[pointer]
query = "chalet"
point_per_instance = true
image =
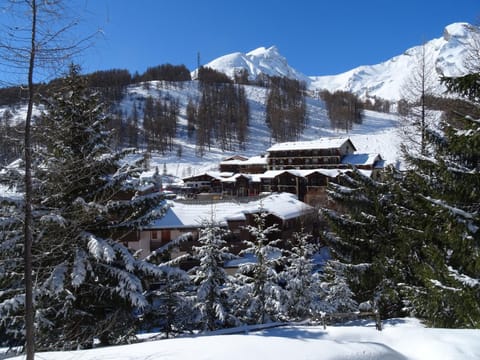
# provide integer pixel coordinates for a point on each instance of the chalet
(206, 182)
(323, 153)
(308, 185)
(283, 181)
(181, 218)
(241, 185)
(239, 164)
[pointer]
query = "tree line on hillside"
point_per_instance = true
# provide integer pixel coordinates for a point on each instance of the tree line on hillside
(344, 109)
(110, 83)
(286, 109)
(220, 116)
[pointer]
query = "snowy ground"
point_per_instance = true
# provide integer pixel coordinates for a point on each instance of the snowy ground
(400, 339)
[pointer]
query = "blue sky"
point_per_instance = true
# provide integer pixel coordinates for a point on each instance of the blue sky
(317, 37)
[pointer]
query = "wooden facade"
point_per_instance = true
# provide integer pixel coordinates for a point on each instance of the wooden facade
(241, 185)
(203, 183)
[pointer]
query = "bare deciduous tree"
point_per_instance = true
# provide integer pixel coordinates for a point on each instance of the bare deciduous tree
(417, 94)
(34, 38)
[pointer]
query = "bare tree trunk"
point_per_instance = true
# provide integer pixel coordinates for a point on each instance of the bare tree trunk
(28, 238)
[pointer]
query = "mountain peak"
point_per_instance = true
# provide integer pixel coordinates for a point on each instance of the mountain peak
(459, 30)
(265, 52)
(262, 60)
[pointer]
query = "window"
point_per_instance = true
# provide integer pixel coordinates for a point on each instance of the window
(154, 235)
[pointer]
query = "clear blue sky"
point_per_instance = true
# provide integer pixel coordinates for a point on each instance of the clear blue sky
(318, 37)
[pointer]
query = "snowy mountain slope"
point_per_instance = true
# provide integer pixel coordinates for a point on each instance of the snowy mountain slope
(377, 134)
(383, 80)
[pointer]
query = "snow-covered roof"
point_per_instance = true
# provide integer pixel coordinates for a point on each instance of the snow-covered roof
(302, 172)
(213, 174)
(234, 177)
(361, 159)
(148, 175)
(183, 215)
(325, 143)
(254, 160)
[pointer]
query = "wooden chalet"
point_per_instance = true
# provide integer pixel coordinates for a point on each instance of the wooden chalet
(241, 185)
(206, 182)
(239, 164)
(308, 185)
(182, 218)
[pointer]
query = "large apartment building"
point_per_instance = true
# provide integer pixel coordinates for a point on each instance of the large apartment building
(322, 153)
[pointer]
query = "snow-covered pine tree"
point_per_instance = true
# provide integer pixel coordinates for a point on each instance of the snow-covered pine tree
(376, 238)
(171, 303)
(172, 297)
(339, 298)
(447, 187)
(211, 280)
(304, 294)
(12, 330)
(258, 297)
(88, 284)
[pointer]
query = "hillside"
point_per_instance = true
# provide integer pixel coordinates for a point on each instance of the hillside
(377, 134)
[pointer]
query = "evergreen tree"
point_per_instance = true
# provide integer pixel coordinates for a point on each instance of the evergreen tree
(339, 298)
(191, 118)
(171, 303)
(132, 127)
(302, 284)
(12, 298)
(447, 187)
(88, 282)
(210, 278)
(375, 241)
(409, 243)
(258, 296)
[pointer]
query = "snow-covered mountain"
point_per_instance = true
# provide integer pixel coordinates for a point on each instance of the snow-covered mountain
(263, 60)
(384, 80)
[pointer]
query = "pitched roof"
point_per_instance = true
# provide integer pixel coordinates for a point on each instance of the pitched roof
(254, 160)
(183, 215)
(361, 159)
(326, 143)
